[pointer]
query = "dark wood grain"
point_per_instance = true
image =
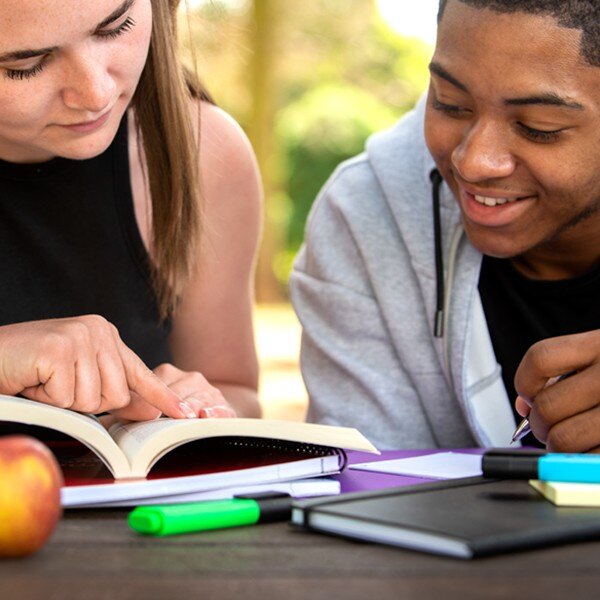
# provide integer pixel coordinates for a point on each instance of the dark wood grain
(93, 555)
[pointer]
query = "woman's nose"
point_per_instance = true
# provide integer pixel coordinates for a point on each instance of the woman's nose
(89, 86)
(483, 154)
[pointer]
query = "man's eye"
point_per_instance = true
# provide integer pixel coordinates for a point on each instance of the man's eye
(537, 135)
(449, 109)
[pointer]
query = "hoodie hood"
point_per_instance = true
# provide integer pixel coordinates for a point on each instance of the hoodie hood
(403, 165)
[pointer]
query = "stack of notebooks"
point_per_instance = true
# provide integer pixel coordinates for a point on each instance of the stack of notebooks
(165, 461)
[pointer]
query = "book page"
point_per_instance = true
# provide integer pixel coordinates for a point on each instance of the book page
(301, 488)
(440, 465)
(145, 443)
(87, 429)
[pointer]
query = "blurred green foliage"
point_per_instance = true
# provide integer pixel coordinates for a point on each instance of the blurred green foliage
(341, 74)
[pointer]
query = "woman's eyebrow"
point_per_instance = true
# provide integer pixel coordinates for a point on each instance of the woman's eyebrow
(24, 54)
(116, 14)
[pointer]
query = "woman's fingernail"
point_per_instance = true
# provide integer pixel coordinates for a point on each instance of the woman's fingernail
(187, 410)
(207, 412)
(194, 403)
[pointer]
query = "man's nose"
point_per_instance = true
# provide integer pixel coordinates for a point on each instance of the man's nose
(484, 154)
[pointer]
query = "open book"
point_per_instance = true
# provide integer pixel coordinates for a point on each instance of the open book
(261, 450)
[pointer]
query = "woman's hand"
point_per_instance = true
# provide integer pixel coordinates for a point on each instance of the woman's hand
(566, 414)
(82, 364)
(193, 388)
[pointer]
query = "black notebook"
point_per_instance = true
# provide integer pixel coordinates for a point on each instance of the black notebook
(464, 518)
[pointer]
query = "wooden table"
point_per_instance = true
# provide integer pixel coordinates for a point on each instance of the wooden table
(93, 555)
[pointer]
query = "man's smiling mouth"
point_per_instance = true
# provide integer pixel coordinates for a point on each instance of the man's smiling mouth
(493, 201)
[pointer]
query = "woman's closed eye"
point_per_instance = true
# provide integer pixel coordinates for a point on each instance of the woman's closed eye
(19, 74)
(125, 26)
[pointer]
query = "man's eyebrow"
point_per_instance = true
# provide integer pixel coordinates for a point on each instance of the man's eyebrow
(438, 70)
(24, 54)
(547, 99)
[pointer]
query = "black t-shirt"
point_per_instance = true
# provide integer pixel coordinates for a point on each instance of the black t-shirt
(521, 311)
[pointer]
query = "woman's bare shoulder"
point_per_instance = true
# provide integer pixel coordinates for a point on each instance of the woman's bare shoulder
(225, 151)
(231, 184)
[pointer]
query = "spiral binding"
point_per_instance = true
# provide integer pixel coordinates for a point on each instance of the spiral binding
(286, 446)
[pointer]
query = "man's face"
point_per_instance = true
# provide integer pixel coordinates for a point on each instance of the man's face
(513, 123)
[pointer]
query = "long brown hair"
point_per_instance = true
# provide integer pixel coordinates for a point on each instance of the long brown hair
(163, 120)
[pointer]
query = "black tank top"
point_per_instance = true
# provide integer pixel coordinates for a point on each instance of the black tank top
(70, 246)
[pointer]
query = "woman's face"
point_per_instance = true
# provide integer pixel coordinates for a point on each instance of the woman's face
(68, 71)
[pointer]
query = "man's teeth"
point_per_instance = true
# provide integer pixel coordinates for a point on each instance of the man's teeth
(488, 201)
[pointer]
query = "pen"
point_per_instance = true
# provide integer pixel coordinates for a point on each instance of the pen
(535, 464)
(241, 510)
(524, 427)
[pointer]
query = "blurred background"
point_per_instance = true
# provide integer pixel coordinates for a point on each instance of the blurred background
(309, 82)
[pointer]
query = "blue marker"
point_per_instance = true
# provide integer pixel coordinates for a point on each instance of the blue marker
(535, 464)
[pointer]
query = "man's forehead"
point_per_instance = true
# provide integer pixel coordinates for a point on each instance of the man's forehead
(519, 55)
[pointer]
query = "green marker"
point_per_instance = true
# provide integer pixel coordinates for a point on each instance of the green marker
(173, 519)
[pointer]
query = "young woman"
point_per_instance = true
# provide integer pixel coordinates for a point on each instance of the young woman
(127, 246)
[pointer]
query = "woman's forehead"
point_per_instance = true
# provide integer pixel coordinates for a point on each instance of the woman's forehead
(26, 20)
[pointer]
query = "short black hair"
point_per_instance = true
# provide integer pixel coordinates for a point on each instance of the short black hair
(572, 14)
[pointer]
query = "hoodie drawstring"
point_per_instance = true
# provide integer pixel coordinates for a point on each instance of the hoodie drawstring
(438, 327)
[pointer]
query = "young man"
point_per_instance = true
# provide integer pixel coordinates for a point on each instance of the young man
(456, 263)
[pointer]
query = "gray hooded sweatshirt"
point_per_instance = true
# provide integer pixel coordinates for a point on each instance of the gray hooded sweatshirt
(364, 288)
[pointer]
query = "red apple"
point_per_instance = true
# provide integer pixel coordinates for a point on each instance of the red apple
(30, 482)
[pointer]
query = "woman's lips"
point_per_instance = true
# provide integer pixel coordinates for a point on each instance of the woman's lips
(89, 125)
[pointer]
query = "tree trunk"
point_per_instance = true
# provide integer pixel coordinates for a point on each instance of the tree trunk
(263, 69)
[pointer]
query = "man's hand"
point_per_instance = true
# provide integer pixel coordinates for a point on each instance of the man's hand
(566, 414)
(82, 364)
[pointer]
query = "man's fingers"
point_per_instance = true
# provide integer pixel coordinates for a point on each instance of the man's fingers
(564, 399)
(554, 357)
(522, 406)
(576, 434)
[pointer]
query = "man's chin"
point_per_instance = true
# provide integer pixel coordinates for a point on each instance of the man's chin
(496, 245)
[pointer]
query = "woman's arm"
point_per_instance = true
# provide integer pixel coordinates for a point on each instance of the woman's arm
(212, 328)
